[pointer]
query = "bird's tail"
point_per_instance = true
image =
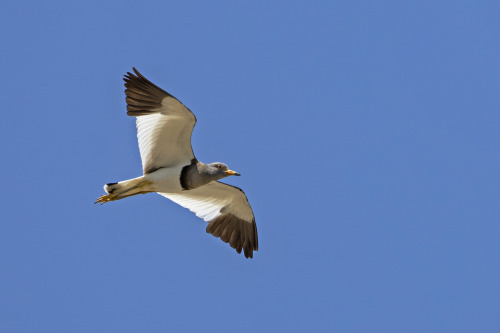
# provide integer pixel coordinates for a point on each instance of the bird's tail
(123, 189)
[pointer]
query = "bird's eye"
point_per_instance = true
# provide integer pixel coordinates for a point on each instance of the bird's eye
(218, 166)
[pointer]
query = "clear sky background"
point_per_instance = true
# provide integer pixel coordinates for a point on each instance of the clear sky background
(366, 133)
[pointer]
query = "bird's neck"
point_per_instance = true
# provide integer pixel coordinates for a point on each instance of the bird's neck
(195, 175)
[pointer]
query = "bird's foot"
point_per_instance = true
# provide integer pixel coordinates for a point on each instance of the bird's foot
(105, 198)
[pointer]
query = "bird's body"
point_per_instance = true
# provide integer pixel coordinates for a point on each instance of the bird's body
(164, 128)
(165, 179)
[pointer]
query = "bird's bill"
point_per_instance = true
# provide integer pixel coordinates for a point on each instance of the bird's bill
(232, 173)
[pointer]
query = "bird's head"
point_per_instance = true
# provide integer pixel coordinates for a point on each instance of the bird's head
(221, 170)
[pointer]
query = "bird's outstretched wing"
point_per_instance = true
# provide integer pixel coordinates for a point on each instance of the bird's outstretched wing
(164, 124)
(227, 211)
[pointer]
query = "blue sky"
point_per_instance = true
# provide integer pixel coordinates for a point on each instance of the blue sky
(366, 133)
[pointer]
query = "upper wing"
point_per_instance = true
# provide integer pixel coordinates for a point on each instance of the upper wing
(164, 124)
(227, 210)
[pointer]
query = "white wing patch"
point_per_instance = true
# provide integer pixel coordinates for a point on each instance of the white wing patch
(165, 138)
(214, 199)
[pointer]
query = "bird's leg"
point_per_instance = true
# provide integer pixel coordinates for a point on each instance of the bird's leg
(105, 198)
(121, 190)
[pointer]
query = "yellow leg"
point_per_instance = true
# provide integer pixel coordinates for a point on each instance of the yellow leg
(105, 198)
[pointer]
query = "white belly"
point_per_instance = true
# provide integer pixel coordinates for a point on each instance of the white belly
(166, 180)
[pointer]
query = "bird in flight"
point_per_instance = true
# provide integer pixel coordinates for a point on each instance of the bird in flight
(164, 128)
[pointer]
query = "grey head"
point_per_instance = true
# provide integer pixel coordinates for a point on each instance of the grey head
(220, 170)
(198, 174)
